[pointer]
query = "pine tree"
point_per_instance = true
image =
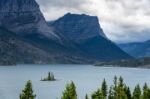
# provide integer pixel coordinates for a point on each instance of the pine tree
(86, 96)
(146, 92)
(121, 84)
(104, 89)
(121, 94)
(115, 87)
(98, 95)
(128, 92)
(137, 92)
(27, 93)
(70, 92)
(49, 76)
(111, 94)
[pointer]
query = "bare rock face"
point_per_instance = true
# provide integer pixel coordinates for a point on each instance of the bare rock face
(24, 18)
(77, 27)
(86, 34)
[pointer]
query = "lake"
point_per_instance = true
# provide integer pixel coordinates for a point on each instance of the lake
(86, 77)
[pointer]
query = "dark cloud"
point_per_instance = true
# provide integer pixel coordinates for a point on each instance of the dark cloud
(62, 3)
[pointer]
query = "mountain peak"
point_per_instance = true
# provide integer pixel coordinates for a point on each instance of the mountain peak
(79, 15)
(78, 26)
(18, 5)
(24, 17)
(83, 35)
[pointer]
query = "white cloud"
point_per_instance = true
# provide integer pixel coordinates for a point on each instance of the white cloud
(121, 20)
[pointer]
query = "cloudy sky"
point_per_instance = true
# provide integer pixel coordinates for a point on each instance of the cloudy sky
(121, 20)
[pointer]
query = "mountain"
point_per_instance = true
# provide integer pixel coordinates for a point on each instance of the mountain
(75, 27)
(72, 38)
(137, 49)
(85, 33)
(24, 18)
(14, 49)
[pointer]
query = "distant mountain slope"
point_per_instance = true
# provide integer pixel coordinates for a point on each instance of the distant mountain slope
(140, 62)
(137, 49)
(85, 33)
(14, 50)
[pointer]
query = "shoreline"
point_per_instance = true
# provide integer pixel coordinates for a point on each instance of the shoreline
(112, 66)
(138, 67)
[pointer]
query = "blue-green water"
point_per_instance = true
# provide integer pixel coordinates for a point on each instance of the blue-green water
(86, 77)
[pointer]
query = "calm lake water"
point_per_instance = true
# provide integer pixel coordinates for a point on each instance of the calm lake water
(86, 77)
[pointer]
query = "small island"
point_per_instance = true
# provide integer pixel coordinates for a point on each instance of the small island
(50, 77)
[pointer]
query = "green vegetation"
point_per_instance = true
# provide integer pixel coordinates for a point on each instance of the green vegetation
(118, 90)
(70, 92)
(27, 93)
(86, 97)
(142, 62)
(50, 77)
(4, 62)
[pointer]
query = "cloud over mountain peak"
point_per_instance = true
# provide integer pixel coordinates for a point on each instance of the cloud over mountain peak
(128, 18)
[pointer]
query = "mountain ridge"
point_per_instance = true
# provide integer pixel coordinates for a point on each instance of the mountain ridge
(137, 49)
(17, 50)
(69, 19)
(86, 33)
(73, 38)
(24, 18)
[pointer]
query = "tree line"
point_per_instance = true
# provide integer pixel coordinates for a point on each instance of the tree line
(119, 90)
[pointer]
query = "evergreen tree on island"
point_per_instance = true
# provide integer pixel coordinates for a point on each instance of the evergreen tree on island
(50, 77)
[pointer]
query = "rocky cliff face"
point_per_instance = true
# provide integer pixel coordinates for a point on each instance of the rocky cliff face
(14, 49)
(85, 33)
(18, 5)
(24, 18)
(77, 27)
